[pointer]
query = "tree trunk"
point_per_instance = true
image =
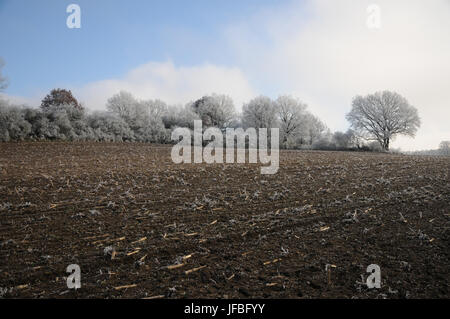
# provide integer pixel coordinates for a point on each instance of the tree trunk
(285, 140)
(386, 144)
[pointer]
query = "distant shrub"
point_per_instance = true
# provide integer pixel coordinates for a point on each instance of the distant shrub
(109, 128)
(13, 125)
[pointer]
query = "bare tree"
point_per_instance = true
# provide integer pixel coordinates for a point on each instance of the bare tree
(3, 80)
(384, 115)
(290, 112)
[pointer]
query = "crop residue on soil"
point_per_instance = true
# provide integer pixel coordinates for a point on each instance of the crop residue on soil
(140, 226)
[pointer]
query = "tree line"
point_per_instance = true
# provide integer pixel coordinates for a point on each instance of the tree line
(443, 150)
(374, 120)
(127, 119)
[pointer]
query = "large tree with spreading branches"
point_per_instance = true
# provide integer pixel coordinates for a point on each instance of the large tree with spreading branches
(382, 116)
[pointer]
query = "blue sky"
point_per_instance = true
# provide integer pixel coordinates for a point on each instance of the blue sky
(320, 51)
(116, 36)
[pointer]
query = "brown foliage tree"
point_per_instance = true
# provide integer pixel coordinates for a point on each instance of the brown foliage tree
(60, 97)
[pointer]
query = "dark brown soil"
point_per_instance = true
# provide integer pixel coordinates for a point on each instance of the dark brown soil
(244, 235)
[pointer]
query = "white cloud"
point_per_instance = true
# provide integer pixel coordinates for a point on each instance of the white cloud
(175, 85)
(323, 52)
(20, 100)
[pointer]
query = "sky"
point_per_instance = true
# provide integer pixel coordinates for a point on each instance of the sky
(322, 52)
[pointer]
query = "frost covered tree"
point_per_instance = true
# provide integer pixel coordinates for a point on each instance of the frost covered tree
(383, 116)
(145, 118)
(215, 110)
(291, 114)
(130, 119)
(179, 116)
(344, 141)
(13, 125)
(153, 109)
(314, 128)
(109, 128)
(149, 126)
(444, 148)
(356, 139)
(59, 119)
(340, 140)
(122, 104)
(260, 112)
(58, 97)
(4, 132)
